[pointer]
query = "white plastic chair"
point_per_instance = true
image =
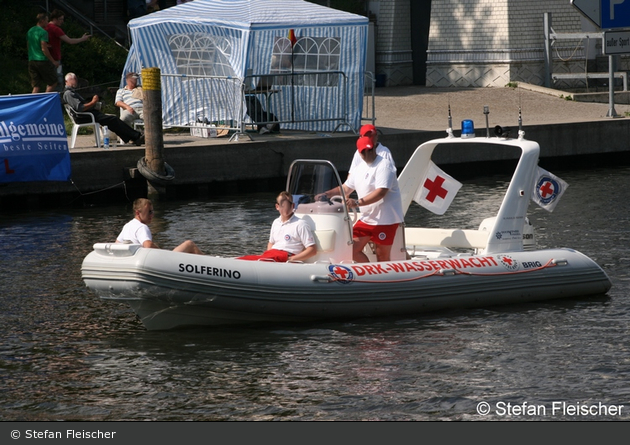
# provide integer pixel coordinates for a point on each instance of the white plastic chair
(75, 127)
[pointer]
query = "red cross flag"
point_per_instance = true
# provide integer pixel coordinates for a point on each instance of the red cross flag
(437, 190)
(548, 189)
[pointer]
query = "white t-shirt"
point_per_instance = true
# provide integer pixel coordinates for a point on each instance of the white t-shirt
(381, 150)
(292, 236)
(368, 177)
(136, 232)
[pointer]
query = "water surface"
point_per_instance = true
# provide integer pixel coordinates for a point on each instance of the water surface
(66, 355)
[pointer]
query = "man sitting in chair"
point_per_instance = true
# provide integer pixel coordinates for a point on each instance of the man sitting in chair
(78, 104)
(129, 100)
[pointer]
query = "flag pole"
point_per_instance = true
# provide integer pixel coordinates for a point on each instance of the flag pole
(292, 41)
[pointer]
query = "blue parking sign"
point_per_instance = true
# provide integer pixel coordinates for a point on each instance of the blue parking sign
(615, 14)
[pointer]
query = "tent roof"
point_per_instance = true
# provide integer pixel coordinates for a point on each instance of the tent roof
(251, 14)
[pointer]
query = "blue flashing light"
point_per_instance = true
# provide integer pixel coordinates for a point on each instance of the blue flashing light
(468, 129)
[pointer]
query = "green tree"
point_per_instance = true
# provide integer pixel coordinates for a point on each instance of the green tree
(99, 60)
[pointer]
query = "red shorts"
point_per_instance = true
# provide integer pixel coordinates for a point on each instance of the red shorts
(379, 234)
(279, 256)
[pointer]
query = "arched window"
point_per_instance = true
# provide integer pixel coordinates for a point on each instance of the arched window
(201, 54)
(308, 54)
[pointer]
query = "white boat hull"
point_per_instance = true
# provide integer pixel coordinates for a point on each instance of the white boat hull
(452, 267)
(169, 289)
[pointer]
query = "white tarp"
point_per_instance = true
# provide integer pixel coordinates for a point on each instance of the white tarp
(236, 38)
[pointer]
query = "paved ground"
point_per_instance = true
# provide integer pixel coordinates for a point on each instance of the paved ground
(422, 108)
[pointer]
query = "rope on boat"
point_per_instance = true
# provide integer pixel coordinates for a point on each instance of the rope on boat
(550, 263)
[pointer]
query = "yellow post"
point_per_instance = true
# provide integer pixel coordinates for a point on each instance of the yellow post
(152, 103)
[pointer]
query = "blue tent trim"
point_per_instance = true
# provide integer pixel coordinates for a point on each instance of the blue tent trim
(237, 37)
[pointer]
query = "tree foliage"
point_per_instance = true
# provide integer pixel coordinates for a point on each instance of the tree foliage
(99, 60)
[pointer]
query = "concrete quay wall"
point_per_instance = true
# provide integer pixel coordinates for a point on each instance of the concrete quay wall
(232, 167)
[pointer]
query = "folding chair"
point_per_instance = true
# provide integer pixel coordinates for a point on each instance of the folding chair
(75, 125)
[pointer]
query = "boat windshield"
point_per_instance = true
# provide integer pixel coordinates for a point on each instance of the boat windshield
(309, 178)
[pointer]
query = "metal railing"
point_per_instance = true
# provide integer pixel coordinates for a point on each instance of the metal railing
(551, 36)
(297, 100)
(369, 108)
(316, 100)
(191, 101)
(82, 18)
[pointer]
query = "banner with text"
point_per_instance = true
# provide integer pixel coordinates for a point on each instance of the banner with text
(33, 140)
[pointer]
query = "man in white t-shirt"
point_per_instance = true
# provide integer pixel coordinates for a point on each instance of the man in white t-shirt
(137, 230)
(291, 238)
(379, 200)
(369, 130)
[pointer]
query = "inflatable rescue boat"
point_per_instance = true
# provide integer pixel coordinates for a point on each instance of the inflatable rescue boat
(430, 269)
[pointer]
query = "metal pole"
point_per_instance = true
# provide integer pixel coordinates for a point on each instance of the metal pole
(611, 87)
(547, 55)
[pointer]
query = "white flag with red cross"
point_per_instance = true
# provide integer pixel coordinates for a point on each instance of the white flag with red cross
(437, 190)
(548, 189)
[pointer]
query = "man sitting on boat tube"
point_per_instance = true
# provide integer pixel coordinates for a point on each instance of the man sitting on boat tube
(137, 230)
(291, 238)
(380, 202)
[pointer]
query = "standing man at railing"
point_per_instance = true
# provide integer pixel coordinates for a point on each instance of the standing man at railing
(55, 36)
(41, 65)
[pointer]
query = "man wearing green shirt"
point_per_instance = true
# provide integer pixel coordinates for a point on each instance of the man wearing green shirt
(41, 65)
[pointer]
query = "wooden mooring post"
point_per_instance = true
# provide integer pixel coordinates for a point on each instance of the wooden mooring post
(156, 170)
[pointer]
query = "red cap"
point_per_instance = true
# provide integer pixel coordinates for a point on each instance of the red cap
(364, 143)
(368, 130)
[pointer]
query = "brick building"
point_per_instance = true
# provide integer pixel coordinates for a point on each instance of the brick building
(464, 43)
(478, 43)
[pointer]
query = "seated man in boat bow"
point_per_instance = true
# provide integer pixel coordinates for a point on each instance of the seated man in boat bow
(291, 238)
(137, 230)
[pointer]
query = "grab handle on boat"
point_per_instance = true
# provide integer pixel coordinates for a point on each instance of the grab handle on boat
(559, 262)
(321, 278)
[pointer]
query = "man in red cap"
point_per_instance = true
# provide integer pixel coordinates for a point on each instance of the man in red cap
(369, 130)
(380, 202)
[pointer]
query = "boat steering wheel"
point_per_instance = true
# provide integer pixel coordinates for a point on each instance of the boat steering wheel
(339, 199)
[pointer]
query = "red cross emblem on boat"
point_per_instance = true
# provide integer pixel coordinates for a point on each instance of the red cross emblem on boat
(508, 262)
(547, 189)
(341, 274)
(435, 188)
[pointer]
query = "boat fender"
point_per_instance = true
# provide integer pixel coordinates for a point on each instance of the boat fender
(155, 177)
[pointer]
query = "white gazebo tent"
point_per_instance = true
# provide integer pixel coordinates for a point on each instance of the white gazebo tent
(226, 41)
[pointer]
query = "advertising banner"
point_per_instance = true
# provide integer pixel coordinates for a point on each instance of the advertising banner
(33, 140)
